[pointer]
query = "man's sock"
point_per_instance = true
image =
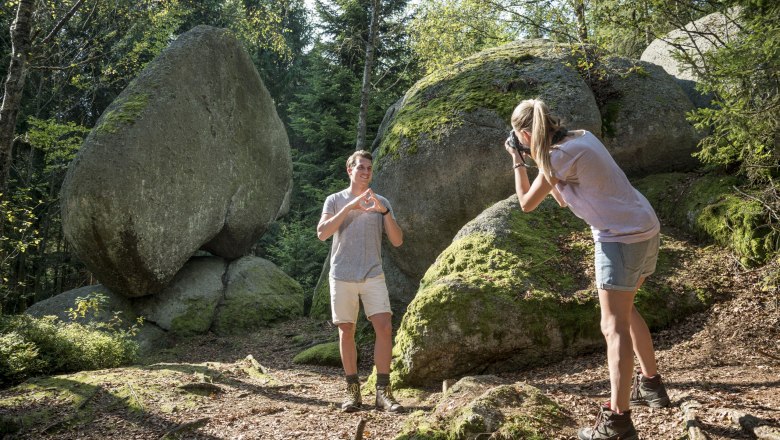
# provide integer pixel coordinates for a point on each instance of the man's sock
(382, 380)
(352, 378)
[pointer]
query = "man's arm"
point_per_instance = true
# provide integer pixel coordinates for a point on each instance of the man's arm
(330, 223)
(393, 231)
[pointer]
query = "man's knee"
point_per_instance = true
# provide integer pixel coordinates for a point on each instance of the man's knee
(383, 325)
(346, 329)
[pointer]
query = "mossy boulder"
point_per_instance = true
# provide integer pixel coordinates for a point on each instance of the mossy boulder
(187, 307)
(644, 124)
(191, 155)
(711, 208)
(515, 290)
(486, 406)
(441, 160)
(320, 354)
(258, 293)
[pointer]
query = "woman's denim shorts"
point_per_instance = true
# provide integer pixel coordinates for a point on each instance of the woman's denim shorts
(620, 266)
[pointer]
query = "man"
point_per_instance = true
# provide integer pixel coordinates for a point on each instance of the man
(356, 217)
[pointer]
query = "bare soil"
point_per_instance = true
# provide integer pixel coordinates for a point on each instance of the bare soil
(727, 358)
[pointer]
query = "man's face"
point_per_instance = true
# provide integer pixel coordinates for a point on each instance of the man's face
(362, 172)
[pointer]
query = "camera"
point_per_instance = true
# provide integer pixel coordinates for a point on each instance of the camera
(514, 142)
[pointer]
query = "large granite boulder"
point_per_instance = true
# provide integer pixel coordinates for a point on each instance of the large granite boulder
(191, 155)
(644, 124)
(442, 161)
(515, 290)
(257, 293)
(679, 51)
(485, 406)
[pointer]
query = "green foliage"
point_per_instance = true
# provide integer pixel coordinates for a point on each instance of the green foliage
(743, 76)
(298, 252)
(446, 31)
(33, 346)
(19, 235)
(59, 142)
(30, 214)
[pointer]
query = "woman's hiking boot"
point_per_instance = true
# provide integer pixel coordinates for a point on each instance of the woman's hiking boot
(649, 391)
(385, 400)
(354, 400)
(610, 426)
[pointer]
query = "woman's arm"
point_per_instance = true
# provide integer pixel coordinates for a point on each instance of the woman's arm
(531, 195)
(558, 197)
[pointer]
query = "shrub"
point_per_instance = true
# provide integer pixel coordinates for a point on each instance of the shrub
(31, 346)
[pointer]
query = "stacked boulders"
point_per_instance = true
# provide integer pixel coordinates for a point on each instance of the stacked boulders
(190, 158)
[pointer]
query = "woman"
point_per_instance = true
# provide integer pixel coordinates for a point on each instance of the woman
(576, 168)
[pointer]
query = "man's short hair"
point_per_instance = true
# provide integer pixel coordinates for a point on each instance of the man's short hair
(352, 161)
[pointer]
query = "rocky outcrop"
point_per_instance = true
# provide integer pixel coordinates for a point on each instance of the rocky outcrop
(644, 124)
(480, 406)
(208, 294)
(694, 39)
(709, 207)
(191, 155)
(514, 290)
(441, 159)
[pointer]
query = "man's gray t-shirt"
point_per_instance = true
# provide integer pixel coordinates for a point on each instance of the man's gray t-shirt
(356, 252)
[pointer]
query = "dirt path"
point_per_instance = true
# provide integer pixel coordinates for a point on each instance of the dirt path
(726, 358)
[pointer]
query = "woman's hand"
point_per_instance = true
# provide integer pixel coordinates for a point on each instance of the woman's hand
(517, 156)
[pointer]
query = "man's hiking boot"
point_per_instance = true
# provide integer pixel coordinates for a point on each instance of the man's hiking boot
(385, 400)
(353, 401)
(610, 426)
(649, 391)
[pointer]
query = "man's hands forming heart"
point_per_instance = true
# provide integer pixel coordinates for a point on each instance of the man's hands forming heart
(369, 202)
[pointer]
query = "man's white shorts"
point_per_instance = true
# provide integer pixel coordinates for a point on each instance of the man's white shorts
(345, 297)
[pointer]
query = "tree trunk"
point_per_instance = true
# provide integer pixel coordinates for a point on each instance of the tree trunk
(14, 86)
(365, 91)
(582, 28)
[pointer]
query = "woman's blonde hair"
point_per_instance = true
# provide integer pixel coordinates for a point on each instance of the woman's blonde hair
(533, 115)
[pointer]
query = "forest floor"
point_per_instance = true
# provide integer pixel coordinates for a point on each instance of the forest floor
(727, 358)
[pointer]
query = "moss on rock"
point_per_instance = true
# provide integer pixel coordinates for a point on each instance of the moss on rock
(709, 207)
(258, 293)
(515, 290)
(483, 405)
(489, 80)
(123, 111)
(321, 354)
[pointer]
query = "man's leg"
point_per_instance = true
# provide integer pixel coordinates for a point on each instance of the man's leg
(383, 347)
(616, 308)
(344, 305)
(376, 301)
(347, 347)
